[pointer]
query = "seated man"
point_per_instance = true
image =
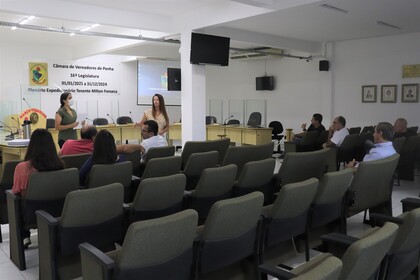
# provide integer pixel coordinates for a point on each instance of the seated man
(315, 126)
(337, 132)
(80, 146)
(382, 136)
(400, 129)
(151, 138)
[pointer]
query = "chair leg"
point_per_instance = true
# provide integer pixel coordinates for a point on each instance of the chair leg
(1, 236)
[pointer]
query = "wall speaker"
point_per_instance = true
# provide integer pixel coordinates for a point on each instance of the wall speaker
(324, 65)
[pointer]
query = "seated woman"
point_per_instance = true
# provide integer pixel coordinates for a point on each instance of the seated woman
(41, 155)
(104, 152)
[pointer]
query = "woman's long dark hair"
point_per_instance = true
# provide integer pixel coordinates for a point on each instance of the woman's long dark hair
(162, 107)
(104, 149)
(42, 153)
(63, 97)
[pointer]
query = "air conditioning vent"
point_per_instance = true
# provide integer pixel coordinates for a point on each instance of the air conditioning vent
(257, 54)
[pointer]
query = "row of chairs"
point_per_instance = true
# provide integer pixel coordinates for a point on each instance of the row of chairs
(97, 121)
(254, 120)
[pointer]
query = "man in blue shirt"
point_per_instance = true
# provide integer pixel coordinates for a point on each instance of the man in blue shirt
(383, 135)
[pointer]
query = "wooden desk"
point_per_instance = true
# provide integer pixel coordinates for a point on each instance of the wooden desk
(11, 153)
(239, 134)
(121, 133)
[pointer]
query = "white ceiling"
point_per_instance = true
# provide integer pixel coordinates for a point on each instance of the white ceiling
(295, 25)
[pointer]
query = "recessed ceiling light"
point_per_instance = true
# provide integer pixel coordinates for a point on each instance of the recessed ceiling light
(333, 8)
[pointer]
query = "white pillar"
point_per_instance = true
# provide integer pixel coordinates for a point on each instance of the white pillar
(193, 100)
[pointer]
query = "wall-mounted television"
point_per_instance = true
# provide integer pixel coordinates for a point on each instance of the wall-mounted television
(174, 79)
(209, 49)
(264, 83)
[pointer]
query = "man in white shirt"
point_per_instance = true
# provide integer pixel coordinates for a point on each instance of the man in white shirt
(336, 133)
(382, 137)
(151, 138)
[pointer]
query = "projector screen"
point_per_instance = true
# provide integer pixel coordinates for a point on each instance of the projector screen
(152, 77)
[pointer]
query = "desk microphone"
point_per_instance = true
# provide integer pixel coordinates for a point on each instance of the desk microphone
(225, 123)
(10, 129)
(113, 121)
(26, 102)
(16, 120)
(89, 120)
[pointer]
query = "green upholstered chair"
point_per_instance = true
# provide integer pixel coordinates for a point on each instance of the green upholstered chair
(371, 187)
(93, 215)
(326, 268)
(105, 174)
(239, 155)
(196, 163)
(154, 152)
(191, 147)
(76, 160)
(403, 257)
(46, 191)
(256, 176)
(355, 130)
(286, 218)
(159, 248)
(327, 210)
(297, 167)
(229, 236)
(6, 183)
(157, 197)
(347, 151)
(307, 143)
(215, 184)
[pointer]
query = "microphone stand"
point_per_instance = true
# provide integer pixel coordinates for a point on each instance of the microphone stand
(224, 122)
(8, 137)
(17, 129)
(113, 121)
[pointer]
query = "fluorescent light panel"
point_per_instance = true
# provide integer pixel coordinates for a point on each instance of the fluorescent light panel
(333, 8)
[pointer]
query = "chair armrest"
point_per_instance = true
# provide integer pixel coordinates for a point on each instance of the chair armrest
(410, 203)
(47, 243)
(95, 264)
(276, 272)
(380, 219)
(14, 213)
(340, 239)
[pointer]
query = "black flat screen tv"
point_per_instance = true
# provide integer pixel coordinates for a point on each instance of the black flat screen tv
(174, 79)
(264, 83)
(209, 49)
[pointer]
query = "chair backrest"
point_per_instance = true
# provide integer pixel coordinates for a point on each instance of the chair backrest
(254, 119)
(144, 254)
(413, 128)
(157, 197)
(105, 174)
(216, 181)
(47, 191)
(404, 253)
(372, 183)
(302, 166)
(329, 199)
(368, 128)
(322, 138)
(6, 183)
(240, 155)
(158, 167)
(50, 123)
(196, 163)
(124, 120)
(362, 259)
(191, 147)
(135, 158)
(159, 152)
(308, 142)
(233, 122)
(76, 160)
(277, 127)
(350, 142)
(215, 184)
(398, 144)
(355, 130)
(230, 231)
(210, 120)
(100, 121)
(289, 212)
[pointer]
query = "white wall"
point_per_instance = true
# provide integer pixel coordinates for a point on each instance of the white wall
(301, 89)
(375, 61)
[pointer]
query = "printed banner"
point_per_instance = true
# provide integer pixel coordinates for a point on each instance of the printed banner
(80, 78)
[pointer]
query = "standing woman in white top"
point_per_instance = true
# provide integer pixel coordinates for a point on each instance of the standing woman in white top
(157, 113)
